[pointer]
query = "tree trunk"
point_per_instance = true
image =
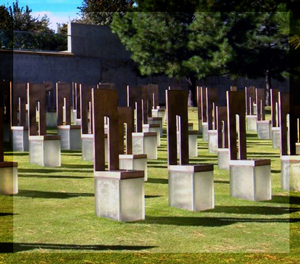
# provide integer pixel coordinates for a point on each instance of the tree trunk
(268, 87)
(192, 90)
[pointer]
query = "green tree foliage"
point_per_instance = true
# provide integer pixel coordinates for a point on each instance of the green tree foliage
(260, 48)
(6, 25)
(20, 30)
(100, 12)
(195, 39)
(289, 20)
(174, 43)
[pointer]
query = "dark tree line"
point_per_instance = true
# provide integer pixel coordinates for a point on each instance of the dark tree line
(190, 39)
(194, 39)
(20, 30)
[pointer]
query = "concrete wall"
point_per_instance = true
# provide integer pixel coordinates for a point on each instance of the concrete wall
(96, 55)
(95, 41)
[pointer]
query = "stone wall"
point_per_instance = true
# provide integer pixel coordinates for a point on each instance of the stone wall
(95, 55)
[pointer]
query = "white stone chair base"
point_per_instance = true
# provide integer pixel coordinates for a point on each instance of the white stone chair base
(223, 158)
(276, 137)
(190, 127)
(264, 129)
(73, 115)
(8, 178)
(191, 187)
(290, 172)
(87, 141)
(70, 137)
(297, 148)
(212, 141)
(51, 120)
(153, 128)
(205, 131)
(134, 162)
(145, 143)
(45, 151)
(159, 112)
(78, 122)
(254, 109)
(120, 195)
(20, 138)
(193, 144)
(156, 121)
(251, 121)
(250, 179)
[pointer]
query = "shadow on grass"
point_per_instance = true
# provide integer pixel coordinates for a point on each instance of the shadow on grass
(51, 195)
(158, 160)
(285, 199)
(6, 214)
(156, 180)
(42, 171)
(211, 221)
(157, 166)
(52, 176)
(77, 166)
(275, 171)
(16, 153)
(254, 210)
(149, 196)
(222, 182)
(18, 247)
(251, 135)
(263, 155)
(71, 155)
(71, 152)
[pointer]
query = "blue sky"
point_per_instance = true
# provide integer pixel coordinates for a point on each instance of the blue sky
(58, 11)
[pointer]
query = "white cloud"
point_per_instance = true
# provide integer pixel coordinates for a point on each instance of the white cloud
(56, 17)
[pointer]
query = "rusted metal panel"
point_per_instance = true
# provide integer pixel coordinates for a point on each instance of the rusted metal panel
(222, 127)
(284, 109)
(105, 104)
(260, 104)
(37, 99)
(63, 95)
(274, 107)
(125, 117)
(236, 106)
(250, 99)
(177, 106)
(212, 98)
(86, 107)
(18, 101)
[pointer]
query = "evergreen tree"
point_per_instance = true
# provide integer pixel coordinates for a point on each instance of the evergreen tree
(20, 30)
(100, 12)
(178, 44)
(260, 49)
(193, 40)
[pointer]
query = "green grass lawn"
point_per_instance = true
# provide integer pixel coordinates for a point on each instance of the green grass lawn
(54, 213)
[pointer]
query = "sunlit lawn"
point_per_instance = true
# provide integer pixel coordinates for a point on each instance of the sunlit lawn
(54, 213)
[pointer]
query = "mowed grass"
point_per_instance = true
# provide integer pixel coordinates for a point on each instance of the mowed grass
(54, 213)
